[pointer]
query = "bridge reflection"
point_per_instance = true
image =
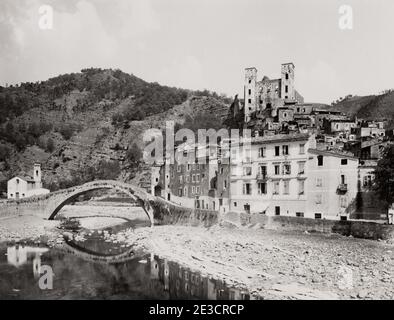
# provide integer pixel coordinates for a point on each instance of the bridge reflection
(140, 277)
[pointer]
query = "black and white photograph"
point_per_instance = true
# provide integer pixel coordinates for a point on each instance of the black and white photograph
(205, 150)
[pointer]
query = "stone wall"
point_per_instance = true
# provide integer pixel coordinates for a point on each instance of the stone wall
(165, 212)
(358, 229)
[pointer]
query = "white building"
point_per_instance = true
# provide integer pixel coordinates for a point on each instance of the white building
(26, 186)
(271, 178)
(332, 185)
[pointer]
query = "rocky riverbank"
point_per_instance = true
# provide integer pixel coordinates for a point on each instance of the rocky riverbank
(270, 264)
(277, 265)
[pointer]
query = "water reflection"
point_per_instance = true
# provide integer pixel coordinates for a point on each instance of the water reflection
(18, 255)
(140, 277)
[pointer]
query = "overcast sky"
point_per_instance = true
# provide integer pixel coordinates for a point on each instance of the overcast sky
(205, 43)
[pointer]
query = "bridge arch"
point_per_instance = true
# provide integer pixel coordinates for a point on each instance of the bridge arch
(61, 198)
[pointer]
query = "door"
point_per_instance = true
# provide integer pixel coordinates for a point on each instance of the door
(17, 195)
(277, 211)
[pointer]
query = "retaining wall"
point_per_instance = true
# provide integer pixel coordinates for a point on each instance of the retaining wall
(358, 229)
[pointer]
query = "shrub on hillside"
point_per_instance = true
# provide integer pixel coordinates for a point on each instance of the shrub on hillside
(134, 154)
(67, 131)
(4, 152)
(50, 145)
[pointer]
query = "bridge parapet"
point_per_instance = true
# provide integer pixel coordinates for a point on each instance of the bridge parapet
(157, 209)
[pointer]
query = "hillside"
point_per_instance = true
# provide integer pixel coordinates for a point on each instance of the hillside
(90, 124)
(373, 106)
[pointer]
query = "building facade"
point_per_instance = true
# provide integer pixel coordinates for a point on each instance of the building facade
(269, 94)
(25, 186)
(270, 177)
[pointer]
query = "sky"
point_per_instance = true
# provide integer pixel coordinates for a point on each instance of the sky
(205, 44)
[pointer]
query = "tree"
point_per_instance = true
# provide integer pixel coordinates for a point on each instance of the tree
(384, 176)
(50, 147)
(134, 154)
(4, 152)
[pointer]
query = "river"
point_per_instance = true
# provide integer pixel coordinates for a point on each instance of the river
(97, 269)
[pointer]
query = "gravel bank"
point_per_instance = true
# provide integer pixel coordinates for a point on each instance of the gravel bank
(278, 265)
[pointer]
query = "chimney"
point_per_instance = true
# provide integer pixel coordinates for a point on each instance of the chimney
(37, 175)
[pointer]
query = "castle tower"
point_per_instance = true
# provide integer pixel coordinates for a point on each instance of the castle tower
(287, 82)
(37, 175)
(250, 92)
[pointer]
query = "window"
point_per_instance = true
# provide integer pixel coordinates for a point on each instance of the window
(247, 188)
(235, 204)
(301, 187)
(277, 211)
(197, 190)
(277, 150)
(180, 179)
(317, 215)
(285, 150)
(262, 188)
(193, 189)
(198, 177)
(343, 179)
(193, 178)
(225, 184)
(286, 169)
(286, 187)
(221, 170)
(185, 191)
(302, 148)
(249, 100)
(318, 199)
(247, 171)
(262, 152)
(263, 170)
(343, 162)
(286, 89)
(198, 166)
(277, 169)
(367, 181)
(300, 214)
(187, 179)
(250, 91)
(220, 202)
(287, 76)
(319, 182)
(188, 167)
(17, 181)
(301, 167)
(320, 160)
(276, 187)
(180, 192)
(178, 168)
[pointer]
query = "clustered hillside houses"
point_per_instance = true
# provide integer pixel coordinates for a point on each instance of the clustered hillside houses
(301, 160)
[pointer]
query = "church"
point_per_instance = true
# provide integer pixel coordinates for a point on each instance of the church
(24, 186)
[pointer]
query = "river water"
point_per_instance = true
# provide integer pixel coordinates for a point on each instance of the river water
(95, 269)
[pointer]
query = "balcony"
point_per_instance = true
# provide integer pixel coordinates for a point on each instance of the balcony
(261, 177)
(342, 188)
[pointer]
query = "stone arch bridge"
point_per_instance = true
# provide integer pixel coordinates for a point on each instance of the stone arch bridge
(157, 209)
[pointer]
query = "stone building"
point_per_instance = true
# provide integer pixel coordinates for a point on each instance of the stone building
(24, 186)
(269, 94)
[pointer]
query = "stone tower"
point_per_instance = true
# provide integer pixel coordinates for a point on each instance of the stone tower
(37, 175)
(287, 82)
(250, 92)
